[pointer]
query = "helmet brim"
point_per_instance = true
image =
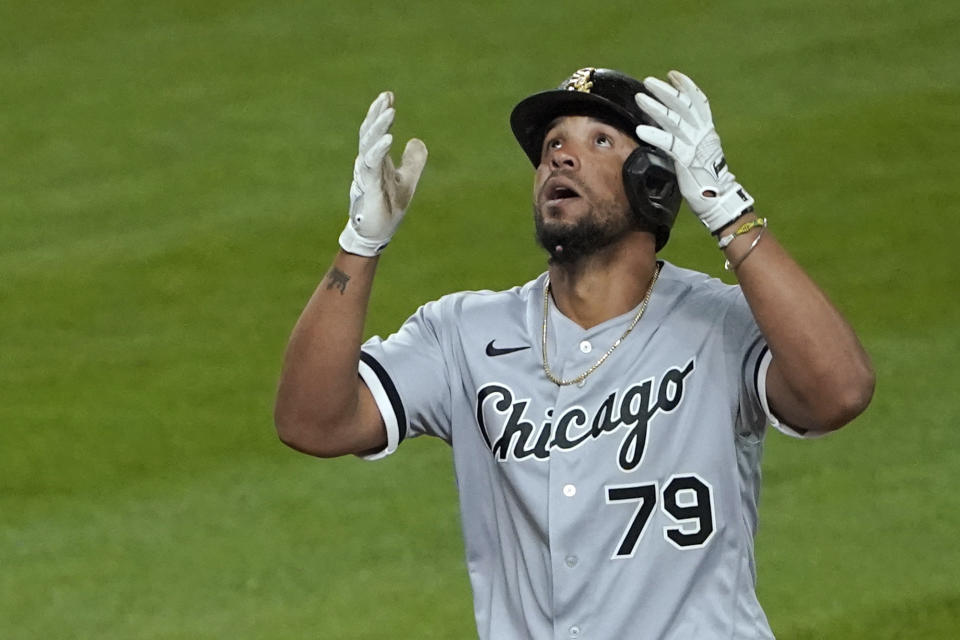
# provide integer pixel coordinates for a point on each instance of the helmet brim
(531, 117)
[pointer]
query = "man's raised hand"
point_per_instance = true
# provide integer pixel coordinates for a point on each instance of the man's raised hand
(689, 137)
(380, 193)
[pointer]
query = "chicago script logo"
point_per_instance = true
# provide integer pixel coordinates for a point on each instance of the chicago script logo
(504, 426)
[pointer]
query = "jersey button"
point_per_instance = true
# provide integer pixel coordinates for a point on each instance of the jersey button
(586, 347)
(574, 631)
(569, 490)
(571, 560)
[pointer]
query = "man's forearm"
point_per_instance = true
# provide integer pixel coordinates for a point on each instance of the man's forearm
(322, 406)
(822, 377)
(318, 387)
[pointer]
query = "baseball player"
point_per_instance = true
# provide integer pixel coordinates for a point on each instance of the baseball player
(607, 418)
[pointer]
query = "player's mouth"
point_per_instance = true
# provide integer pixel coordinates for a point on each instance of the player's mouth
(556, 191)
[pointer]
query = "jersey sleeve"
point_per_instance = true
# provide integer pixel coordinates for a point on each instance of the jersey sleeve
(746, 341)
(408, 376)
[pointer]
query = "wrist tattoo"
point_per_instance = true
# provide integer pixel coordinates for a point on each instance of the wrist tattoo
(338, 279)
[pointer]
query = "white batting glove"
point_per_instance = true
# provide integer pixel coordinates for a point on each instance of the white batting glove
(380, 193)
(689, 137)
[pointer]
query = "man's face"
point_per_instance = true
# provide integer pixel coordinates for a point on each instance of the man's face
(579, 202)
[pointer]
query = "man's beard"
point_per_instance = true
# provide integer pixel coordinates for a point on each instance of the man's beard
(568, 243)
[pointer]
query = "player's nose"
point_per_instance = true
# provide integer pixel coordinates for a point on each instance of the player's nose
(564, 158)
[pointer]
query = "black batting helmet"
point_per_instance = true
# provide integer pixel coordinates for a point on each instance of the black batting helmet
(607, 95)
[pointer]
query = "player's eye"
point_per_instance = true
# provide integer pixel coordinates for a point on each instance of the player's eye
(554, 143)
(604, 140)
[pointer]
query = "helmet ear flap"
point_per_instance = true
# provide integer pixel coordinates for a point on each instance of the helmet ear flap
(652, 190)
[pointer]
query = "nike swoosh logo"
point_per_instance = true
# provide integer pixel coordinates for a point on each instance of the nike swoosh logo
(493, 351)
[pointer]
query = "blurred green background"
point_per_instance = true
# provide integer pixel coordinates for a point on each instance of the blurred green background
(173, 177)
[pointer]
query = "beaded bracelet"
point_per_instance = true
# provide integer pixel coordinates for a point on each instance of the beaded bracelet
(742, 229)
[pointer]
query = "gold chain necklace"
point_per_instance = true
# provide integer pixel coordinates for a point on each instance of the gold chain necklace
(583, 376)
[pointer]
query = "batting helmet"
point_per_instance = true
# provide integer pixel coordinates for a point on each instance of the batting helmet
(648, 174)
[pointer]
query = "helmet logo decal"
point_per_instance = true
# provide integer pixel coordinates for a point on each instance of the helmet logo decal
(580, 80)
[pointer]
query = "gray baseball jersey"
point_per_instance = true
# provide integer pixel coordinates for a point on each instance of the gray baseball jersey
(623, 507)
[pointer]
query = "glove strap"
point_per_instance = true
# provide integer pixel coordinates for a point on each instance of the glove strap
(353, 242)
(731, 204)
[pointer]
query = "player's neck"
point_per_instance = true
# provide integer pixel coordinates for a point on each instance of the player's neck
(605, 285)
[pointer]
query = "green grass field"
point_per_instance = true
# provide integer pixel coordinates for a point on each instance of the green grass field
(173, 177)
